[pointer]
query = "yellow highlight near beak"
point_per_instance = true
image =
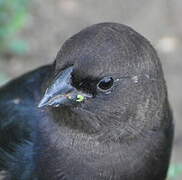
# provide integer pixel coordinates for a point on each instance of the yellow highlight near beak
(69, 97)
(80, 98)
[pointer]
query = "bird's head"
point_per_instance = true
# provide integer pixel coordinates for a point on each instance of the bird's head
(111, 76)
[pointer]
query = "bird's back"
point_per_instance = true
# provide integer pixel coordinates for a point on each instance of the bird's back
(18, 121)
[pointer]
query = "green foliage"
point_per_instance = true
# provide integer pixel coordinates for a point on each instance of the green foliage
(3, 78)
(175, 171)
(13, 15)
(18, 46)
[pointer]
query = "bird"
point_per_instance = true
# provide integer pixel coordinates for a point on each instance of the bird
(100, 111)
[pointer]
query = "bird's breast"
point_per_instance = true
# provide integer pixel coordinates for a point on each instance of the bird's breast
(64, 153)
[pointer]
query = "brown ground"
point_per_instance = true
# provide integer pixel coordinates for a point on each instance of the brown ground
(53, 21)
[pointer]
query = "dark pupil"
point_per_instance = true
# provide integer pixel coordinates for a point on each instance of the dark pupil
(106, 83)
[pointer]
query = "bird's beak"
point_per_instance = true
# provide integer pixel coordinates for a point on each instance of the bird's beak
(61, 92)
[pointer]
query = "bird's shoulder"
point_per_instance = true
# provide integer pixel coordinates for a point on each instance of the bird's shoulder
(21, 93)
(25, 85)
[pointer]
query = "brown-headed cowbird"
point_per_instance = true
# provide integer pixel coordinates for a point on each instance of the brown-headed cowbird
(99, 112)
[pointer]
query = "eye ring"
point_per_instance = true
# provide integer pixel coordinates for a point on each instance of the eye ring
(105, 84)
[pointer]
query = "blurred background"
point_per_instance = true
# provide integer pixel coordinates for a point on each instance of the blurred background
(32, 31)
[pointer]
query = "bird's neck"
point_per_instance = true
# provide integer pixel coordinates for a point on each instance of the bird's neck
(75, 153)
(76, 121)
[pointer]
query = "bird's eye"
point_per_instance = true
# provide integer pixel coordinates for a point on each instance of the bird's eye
(105, 84)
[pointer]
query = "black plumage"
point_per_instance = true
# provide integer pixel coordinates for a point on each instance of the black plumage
(100, 112)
